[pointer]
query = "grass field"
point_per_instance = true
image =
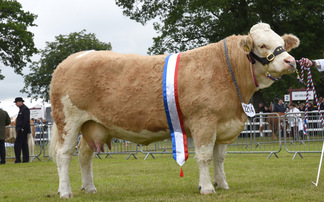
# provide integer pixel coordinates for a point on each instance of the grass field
(251, 177)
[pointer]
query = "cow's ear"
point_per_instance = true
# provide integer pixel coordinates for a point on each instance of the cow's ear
(291, 41)
(246, 44)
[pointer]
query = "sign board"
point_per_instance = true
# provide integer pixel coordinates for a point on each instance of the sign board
(36, 113)
(287, 98)
(301, 95)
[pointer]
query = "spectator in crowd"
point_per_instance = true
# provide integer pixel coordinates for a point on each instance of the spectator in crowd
(266, 109)
(287, 108)
(310, 106)
(4, 121)
(301, 106)
(295, 121)
(279, 107)
(261, 107)
(37, 124)
(321, 101)
(22, 129)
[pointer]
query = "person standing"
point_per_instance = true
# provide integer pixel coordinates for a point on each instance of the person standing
(261, 107)
(279, 107)
(22, 129)
(4, 121)
(295, 121)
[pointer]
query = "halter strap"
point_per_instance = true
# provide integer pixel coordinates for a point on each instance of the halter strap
(270, 57)
(252, 61)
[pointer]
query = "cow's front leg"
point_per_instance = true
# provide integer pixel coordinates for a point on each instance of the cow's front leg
(204, 157)
(86, 155)
(204, 138)
(219, 174)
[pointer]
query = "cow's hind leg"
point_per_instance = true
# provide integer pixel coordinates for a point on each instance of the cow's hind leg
(94, 136)
(86, 155)
(64, 154)
(219, 174)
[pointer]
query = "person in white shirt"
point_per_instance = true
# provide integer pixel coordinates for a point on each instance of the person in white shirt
(295, 121)
(319, 64)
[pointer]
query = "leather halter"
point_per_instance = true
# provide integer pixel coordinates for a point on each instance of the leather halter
(269, 58)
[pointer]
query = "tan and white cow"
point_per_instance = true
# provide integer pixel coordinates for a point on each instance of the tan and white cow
(105, 95)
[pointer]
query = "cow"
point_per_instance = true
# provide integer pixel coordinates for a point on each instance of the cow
(273, 121)
(106, 95)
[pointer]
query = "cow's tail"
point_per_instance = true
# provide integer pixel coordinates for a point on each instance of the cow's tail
(53, 142)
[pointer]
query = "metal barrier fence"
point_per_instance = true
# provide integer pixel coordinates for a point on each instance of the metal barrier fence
(37, 145)
(120, 147)
(295, 140)
(260, 135)
(264, 133)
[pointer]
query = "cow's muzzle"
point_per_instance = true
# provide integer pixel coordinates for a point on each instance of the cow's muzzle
(290, 63)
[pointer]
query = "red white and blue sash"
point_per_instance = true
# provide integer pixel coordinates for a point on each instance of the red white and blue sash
(172, 109)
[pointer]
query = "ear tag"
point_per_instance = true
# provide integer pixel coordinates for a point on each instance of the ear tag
(247, 48)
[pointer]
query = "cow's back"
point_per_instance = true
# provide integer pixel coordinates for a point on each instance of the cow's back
(114, 88)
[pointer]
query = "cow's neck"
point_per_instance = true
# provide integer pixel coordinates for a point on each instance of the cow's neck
(241, 68)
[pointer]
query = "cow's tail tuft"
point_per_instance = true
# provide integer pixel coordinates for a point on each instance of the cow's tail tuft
(53, 143)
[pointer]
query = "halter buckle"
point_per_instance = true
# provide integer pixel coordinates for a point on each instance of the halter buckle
(270, 57)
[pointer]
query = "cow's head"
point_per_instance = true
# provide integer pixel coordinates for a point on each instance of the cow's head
(264, 43)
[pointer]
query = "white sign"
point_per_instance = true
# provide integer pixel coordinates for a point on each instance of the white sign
(248, 109)
(36, 113)
(301, 95)
(287, 97)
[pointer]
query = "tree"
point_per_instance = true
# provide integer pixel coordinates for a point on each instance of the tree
(16, 43)
(187, 24)
(38, 81)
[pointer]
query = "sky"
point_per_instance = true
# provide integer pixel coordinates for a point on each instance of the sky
(55, 17)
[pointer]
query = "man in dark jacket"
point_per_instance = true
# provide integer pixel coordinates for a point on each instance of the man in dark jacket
(22, 129)
(279, 107)
(4, 121)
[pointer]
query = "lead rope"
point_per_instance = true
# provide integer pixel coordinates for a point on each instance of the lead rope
(303, 68)
(231, 70)
(273, 79)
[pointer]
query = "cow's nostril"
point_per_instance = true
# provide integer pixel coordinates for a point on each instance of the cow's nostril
(288, 61)
(291, 62)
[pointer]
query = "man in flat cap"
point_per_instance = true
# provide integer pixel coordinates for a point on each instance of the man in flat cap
(22, 129)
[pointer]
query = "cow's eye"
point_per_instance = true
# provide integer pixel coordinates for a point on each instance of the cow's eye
(263, 46)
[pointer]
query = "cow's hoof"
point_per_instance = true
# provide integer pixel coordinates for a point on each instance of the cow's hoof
(89, 190)
(66, 195)
(221, 185)
(210, 190)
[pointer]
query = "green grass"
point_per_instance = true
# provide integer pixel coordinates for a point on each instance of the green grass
(251, 177)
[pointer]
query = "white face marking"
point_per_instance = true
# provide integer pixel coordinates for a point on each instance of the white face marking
(83, 54)
(265, 42)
